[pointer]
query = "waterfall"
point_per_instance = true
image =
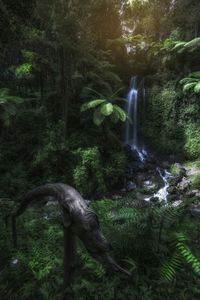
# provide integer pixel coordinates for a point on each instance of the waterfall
(132, 108)
(132, 111)
(136, 110)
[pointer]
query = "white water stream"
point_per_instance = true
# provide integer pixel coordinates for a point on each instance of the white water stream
(131, 131)
(162, 192)
(131, 134)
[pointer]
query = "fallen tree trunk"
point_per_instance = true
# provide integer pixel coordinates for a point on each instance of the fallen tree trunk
(78, 220)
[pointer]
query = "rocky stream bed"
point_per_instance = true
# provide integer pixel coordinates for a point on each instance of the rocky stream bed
(153, 180)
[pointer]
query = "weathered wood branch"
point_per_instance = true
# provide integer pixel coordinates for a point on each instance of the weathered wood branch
(78, 220)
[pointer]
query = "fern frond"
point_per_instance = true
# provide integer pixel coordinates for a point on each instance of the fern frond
(170, 267)
(187, 254)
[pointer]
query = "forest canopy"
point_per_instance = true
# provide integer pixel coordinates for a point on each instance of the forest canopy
(102, 96)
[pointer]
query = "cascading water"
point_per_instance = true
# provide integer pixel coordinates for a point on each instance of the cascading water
(135, 95)
(131, 132)
(131, 109)
(162, 193)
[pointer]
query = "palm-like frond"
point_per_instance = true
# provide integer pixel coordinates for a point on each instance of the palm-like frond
(191, 83)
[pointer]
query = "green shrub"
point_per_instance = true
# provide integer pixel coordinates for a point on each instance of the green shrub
(196, 182)
(161, 126)
(192, 143)
(88, 172)
(114, 168)
(174, 170)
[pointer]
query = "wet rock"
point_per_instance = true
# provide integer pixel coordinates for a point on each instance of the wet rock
(172, 190)
(139, 196)
(149, 184)
(177, 203)
(173, 181)
(130, 186)
(184, 184)
(193, 193)
(195, 210)
(131, 154)
(154, 199)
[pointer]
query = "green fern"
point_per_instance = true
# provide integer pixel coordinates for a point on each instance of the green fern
(187, 254)
(170, 267)
(91, 265)
(191, 83)
(182, 254)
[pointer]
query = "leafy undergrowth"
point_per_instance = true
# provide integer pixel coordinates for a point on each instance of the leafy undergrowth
(159, 245)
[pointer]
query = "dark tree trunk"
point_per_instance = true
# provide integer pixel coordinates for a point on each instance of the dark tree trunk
(69, 257)
(78, 220)
(14, 232)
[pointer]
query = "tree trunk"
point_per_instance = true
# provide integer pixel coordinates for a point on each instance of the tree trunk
(69, 257)
(64, 88)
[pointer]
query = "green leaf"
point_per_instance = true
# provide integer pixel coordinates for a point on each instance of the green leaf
(121, 113)
(107, 109)
(92, 104)
(178, 46)
(189, 86)
(197, 88)
(188, 80)
(193, 44)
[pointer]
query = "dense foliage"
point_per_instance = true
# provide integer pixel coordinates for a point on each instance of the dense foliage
(65, 71)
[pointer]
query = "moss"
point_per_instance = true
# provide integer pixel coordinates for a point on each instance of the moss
(174, 170)
(196, 182)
